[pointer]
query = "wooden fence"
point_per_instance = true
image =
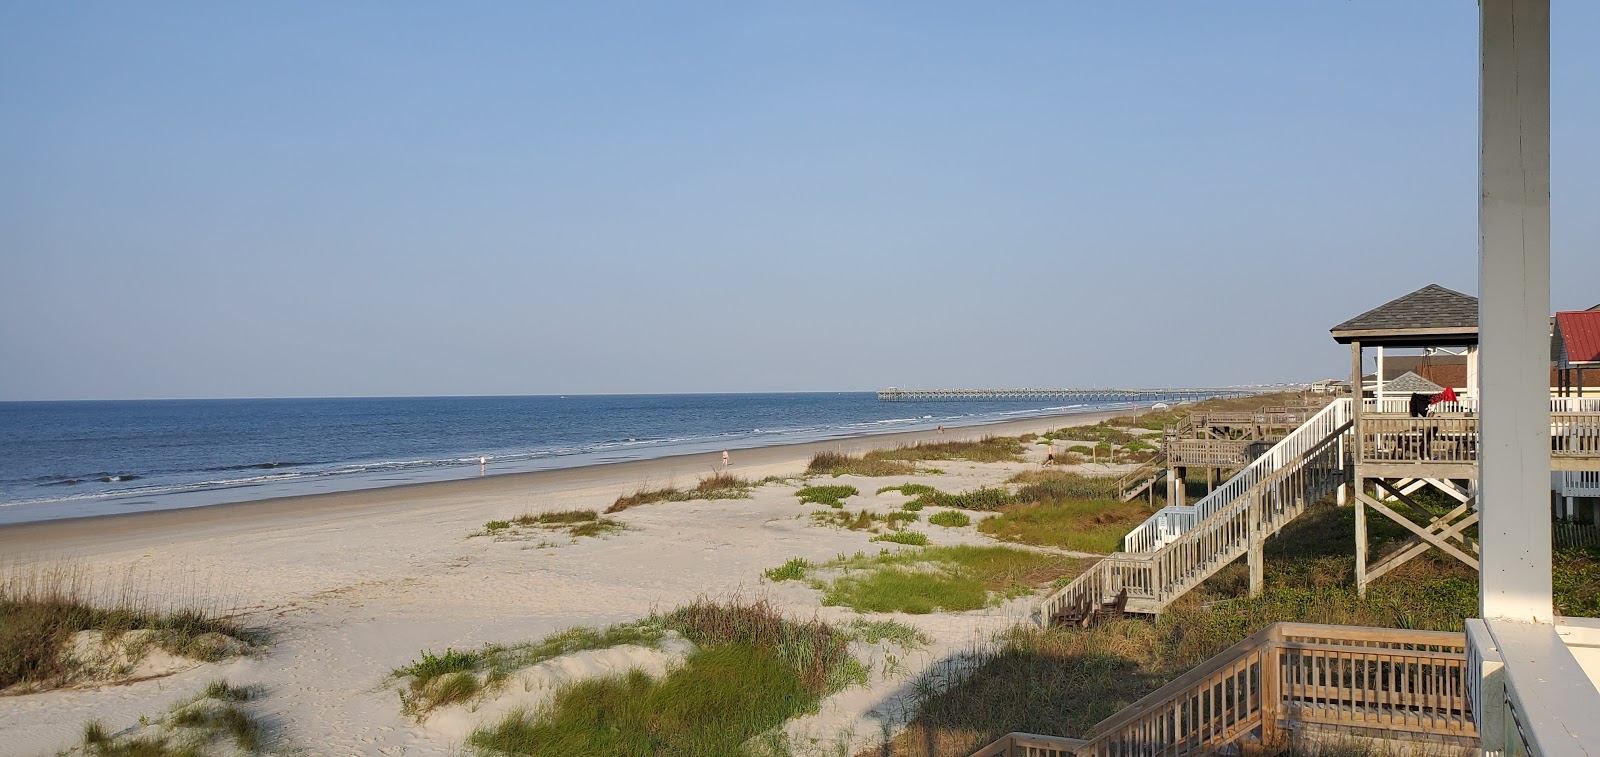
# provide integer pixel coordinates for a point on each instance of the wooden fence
(1574, 535)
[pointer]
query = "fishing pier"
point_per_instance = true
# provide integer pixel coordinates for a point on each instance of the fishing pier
(893, 394)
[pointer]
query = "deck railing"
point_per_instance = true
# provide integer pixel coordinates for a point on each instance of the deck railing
(1171, 521)
(1453, 438)
(1350, 678)
(1391, 439)
(1579, 484)
(1225, 453)
(1575, 434)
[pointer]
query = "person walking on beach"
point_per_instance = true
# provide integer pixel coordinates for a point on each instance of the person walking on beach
(483, 464)
(1050, 455)
(724, 458)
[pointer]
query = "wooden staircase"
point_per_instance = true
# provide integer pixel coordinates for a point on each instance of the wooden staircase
(1181, 546)
(1140, 479)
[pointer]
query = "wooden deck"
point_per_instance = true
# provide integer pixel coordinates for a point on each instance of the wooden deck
(1446, 446)
(1353, 679)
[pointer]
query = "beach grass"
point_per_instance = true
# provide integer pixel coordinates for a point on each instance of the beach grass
(892, 631)
(840, 464)
(40, 611)
(949, 578)
(909, 538)
(1095, 525)
(793, 570)
(989, 449)
(573, 523)
(190, 729)
(950, 519)
(752, 670)
(436, 679)
(910, 490)
(712, 486)
(1046, 485)
(983, 498)
(864, 520)
(832, 496)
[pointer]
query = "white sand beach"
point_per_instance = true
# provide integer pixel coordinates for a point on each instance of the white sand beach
(351, 586)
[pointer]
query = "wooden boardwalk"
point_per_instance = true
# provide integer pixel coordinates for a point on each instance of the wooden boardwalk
(893, 394)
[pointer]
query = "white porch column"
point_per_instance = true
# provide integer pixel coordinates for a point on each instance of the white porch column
(1377, 381)
(1514, 309)
(1472, 372)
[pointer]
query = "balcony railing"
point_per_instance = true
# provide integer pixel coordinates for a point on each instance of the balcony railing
(1355, 680)
(1397, 439)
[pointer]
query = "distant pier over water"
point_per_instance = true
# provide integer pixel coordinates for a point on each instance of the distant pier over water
(894, 394)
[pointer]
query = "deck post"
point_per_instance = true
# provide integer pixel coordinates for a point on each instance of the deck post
(1514, 309)
(1172, 485)
(1256, 554)
(1355, 468)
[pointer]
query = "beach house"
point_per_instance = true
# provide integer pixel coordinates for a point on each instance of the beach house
(1517, 679)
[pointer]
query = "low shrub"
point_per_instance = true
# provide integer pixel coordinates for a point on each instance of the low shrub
(990, 449)
(950, 519)
(840, 464)
(1081, 525)
(912, 538)
(793, 570)
(984, 498)
(831, 496)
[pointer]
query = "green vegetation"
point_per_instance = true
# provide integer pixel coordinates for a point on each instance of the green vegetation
(990, 449)
(952, 579)
(827, 495)
(719, 485)
(1065, 680)
(1045, 485)
(40, 612)
(912, 538)
(438, 679)
(892, 631)
(1097, 434)
(753, 671)
(1096, 525)
(793, 570)
(984, 498)
(573, 523)
(910, 490)
(188, 730)
(864, 521)
(950, 519)
(840, 464)
(1577, 582)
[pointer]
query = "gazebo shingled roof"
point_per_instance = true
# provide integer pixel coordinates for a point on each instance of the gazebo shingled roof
(1411, 383)
(1432, 316)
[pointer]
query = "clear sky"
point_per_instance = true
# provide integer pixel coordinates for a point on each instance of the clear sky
(303, 199)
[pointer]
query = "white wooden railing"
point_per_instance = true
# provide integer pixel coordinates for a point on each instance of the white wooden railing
(1578, 483)
(1172, 521)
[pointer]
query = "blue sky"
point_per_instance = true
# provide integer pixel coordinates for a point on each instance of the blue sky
(306, 199)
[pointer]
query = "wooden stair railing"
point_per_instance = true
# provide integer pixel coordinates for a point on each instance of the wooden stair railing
(1348, 678)
(1152, 580)
(1134, 482)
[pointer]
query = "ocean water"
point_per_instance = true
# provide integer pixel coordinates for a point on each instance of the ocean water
(69, 459)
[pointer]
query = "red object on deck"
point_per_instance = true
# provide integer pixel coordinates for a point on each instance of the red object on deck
(1448, 395)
